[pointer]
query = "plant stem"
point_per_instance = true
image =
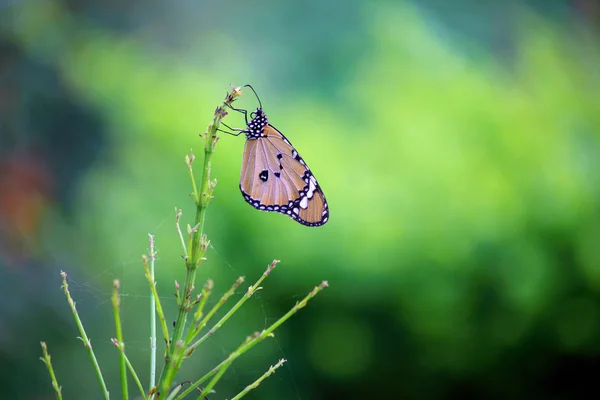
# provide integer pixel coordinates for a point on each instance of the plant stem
(206, 390)
(199, 241)
(159, 309)
(178, 214)
(200, 324)
(253, 341)
(257, 382)
(46, 360)
(153, 311)
(206, 292)
(84, 338)
(121, 346)
(131, 369)
(251, 290)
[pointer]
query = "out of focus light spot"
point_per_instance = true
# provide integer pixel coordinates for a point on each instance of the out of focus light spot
(26, 186)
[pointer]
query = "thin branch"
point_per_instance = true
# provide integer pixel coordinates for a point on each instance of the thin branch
(257, 382)
(46, 360)
(153, 310)
(84, 338)
(199, 241)
(130, 367)
(251, 290)
(254, 340)
(120, 344)
(201, 324)
(159, 309)
(178, 214)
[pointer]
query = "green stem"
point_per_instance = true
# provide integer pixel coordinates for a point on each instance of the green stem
(177, 218)
(257, 382)
(121, 346)
(199, 241)
(84, 338)
(253, 341)
(206, 390)
(206, 292)
(153, 311)
(200, 324)
(46, 360)
(159, 309)
(131, 369)
(176, 362)
(236, 307)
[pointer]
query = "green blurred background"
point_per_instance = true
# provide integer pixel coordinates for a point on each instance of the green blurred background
(457, 143)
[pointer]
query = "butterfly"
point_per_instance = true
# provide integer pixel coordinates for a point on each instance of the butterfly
(274, 177)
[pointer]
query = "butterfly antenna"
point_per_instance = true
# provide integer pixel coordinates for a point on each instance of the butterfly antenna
(257, 98)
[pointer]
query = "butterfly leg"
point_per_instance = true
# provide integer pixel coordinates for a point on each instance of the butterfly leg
(240, 110)
(230, 133)
(239, 131)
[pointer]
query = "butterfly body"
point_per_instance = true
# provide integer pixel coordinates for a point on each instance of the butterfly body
(275, 178)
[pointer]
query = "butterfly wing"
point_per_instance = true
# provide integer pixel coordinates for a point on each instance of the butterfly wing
(275, 178)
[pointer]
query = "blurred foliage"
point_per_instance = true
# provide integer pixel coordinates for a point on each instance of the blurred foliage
(464, 195)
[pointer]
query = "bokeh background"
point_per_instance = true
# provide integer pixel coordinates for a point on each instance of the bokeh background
(457, 142)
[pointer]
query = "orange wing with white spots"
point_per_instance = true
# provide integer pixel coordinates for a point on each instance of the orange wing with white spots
(275, 178)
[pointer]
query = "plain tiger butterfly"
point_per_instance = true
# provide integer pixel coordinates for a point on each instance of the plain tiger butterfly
(274, 177)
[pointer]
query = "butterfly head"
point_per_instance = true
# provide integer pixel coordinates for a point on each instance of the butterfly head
(257, 124)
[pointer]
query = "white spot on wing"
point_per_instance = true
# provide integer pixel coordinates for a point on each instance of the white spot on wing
(304, 202)
(311, 187)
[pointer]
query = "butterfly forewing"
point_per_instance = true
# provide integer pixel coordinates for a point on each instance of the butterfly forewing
(259, 179)
(275, 178)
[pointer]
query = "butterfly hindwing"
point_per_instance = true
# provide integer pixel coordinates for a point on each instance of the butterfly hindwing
(275, 178)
